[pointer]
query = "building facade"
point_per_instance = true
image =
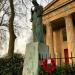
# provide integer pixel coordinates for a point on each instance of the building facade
(59, 28)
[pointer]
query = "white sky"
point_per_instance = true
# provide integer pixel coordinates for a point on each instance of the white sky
(43, 2)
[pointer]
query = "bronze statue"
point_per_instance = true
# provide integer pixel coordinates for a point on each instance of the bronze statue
(36, 19)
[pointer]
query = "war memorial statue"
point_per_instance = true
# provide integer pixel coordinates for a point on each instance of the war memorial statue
(36, 19)
(36, 47)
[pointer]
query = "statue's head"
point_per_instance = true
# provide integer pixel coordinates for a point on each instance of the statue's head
(34, 2)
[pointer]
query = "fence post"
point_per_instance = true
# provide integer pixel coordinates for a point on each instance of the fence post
(71, 59)
(60, 62)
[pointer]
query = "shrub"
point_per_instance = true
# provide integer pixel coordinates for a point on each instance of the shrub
(11, 66)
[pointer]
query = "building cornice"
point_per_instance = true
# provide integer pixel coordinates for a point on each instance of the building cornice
(50, 4)
(59, 6)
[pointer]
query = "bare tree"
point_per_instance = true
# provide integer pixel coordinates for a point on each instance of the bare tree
(11, 30)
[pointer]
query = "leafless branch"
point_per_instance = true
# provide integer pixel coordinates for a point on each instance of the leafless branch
(3, 5)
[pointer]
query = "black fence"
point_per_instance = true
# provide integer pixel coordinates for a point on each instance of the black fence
(66, 68)
(66, 61)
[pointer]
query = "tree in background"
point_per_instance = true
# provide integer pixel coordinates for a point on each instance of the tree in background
(11, 30)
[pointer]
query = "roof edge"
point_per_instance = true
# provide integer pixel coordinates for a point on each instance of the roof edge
(50, 4)
(51, 10)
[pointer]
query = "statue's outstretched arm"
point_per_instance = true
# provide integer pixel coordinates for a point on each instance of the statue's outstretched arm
(31, 15)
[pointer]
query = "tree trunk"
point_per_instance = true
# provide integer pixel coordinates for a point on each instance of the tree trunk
(11, 30)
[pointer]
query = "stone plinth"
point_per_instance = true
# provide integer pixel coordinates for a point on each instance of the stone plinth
(31, 57)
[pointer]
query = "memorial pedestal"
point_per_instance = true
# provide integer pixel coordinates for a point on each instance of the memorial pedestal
(32, 57)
